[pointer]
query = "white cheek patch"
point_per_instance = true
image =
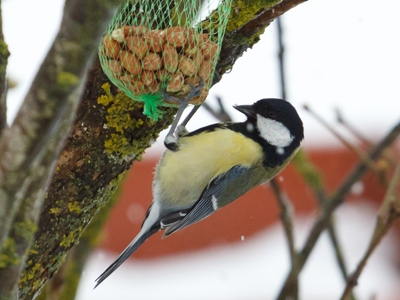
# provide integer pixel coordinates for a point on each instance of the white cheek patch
(274, 132)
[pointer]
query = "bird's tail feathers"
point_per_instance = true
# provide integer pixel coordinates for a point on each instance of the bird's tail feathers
(142, 236)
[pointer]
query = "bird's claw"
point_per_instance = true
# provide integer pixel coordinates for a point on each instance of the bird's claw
(181, 131)
(171, 143)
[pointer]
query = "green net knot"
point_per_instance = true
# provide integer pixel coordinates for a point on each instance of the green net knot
(151, 104)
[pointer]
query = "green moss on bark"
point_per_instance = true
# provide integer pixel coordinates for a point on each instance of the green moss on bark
(245, 10)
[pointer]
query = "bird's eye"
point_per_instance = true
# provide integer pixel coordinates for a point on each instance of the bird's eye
(271, 114)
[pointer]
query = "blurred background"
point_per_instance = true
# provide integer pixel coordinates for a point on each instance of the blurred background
(339, 55)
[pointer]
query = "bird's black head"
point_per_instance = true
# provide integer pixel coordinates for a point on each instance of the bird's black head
(279, 127)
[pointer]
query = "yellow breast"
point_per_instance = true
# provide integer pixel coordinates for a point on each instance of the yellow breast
(184, 174)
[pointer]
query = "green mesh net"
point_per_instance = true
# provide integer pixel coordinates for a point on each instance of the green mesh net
(154, 45)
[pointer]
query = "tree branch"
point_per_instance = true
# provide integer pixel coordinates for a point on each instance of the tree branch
(335, 200)
(317, 188)
(4, 54)
(286, 216)
(30, 147)
(247, 23)
(389, 213)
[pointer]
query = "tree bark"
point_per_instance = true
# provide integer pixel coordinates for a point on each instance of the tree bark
(4, 54)
(30, 147)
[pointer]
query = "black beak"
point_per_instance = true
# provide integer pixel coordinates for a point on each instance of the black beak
(248, 110)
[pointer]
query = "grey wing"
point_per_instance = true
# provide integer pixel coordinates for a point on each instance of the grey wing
(206, 205)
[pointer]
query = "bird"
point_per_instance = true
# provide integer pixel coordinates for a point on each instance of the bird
(215, 165)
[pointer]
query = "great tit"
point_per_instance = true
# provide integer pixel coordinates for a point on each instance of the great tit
(215, 165)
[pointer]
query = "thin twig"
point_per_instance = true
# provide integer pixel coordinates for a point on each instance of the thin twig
(313, 178)
(286, 210)
(286, 213)
(359, 152)
(340, 119)
(221, 114)
(318, 188)
(286, 216)
(252, 27)
(334, 202)
(322, 200)
(338, 250)
(389, 212)
(338, 197)
(387, 159)
(281, 57)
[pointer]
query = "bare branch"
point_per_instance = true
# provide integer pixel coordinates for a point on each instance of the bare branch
(318, 189)
(338, 251)
(246, 24)
(281, 57)
(221, 114)
(286, 216)
(334, 202)
(340, 119)
(314, 179)
(359, 152)
(389, 212)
